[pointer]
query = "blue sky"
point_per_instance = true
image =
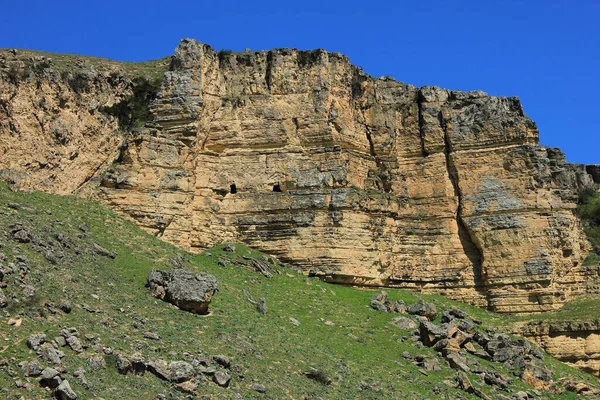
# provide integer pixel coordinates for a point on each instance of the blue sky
(545, 52)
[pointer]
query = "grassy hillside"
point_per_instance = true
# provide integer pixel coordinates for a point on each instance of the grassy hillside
(352, 349)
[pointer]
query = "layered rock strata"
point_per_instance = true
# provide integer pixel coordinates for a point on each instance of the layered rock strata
(361, 180)
(576, 343)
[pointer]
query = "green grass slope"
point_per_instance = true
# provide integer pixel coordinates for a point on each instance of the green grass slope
(308, 324)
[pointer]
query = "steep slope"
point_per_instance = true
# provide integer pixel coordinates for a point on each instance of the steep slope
(94, 312)
(300, 154)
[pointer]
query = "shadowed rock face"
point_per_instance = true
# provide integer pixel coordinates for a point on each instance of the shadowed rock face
(361, 180)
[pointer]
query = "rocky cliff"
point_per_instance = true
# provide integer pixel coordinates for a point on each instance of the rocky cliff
(576, 343)
(357, 179)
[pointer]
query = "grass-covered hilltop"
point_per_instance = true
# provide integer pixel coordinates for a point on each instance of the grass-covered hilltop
(78, 320)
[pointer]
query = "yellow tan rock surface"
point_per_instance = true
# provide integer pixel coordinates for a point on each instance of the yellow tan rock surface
(300, 154)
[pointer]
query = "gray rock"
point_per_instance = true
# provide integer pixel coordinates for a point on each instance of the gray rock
(66, 307)
(423, 309)
(75, 344)
(222, 360)
(458, 362)
(22, 236)
(50, 378)
(257, 387)
(32, 368)
(52, 355)
(97, 363)
(159, 368)
(221, 378)
(379, 306)
(180, 371)
(102, 251)
(64, 391)
(229, 248)
(404, 323)
(3, 299)
(188, 291)
(123, 364)
(430, 333)
(36, 340)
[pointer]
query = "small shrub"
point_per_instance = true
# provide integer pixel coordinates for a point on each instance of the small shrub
(589, 212)
(224, 54)
(134, 111)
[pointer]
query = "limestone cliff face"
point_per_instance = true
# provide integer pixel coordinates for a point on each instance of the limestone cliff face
(576, 343)
(361, 180)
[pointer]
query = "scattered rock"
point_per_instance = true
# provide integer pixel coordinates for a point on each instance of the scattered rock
(222, 378)
(36, 340)
(294, 321)
(423, 309)
(21, 236)
(188, 291)
(152, 335)
(74, 343)
(180, 371)
(66, 307)
(222, 360)
(31, 368)
(64, 391)
(102, 251)
(97, 363)
(229, 248)
(50, 378)
(257, 387)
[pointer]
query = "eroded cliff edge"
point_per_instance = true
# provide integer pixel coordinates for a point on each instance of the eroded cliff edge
(299, 153)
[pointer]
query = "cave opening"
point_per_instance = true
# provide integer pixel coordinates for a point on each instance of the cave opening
(277, 188)
(232, 188)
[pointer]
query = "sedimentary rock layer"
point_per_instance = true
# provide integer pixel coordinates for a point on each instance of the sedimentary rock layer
(576, 343)
(358, 179)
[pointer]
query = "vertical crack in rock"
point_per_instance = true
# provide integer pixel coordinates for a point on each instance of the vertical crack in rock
(269, 69)
(422, 125)
(382, 171)
(470, 248)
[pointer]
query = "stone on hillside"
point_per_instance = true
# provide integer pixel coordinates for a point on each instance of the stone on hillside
(102, 251)
(74, 343)
(229, 248)
(379, 306)
(66, 307)
(222, 378)
(64, 391)
(257, 387)
(36, 340)
(21, 236)
(188, 291)
(430, 333)
(31, 368)
(456, 361)
(222, 360)
(96, 363)
(180, 371)
(50, 378)
(123, 364)
(52, 355)
(3, 299)
(404, 323)
(381, 297)
(423, 309)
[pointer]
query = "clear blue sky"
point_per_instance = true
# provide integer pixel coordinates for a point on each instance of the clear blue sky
(547, 52)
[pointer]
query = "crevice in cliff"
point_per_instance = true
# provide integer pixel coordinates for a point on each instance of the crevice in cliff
(269, 69)
(421, 126)
(468, 243)
(382, 171)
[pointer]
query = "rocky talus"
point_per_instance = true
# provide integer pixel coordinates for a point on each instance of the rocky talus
(300, 154)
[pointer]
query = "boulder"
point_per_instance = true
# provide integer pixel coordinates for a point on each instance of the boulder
(64, 391)
(423, 309)
(189, 291)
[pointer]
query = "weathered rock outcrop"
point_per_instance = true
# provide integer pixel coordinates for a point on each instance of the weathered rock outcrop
(576, 343)
(300, 154)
